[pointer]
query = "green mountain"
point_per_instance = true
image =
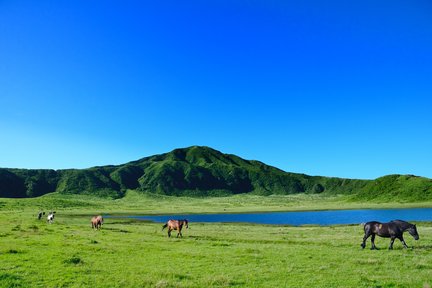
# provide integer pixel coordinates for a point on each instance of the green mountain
(200, 171)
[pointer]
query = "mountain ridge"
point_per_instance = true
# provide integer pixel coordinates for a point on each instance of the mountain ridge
(201, 171)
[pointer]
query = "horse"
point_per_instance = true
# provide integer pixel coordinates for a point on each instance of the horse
(40, 214)
(176, 225)
(96, 222)
(50, 217)
(393, 229)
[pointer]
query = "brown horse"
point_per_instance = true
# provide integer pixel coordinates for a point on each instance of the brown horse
(96, 222)
(393, 229)
(176, 225)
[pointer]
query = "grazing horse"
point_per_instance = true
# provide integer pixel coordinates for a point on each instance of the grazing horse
(50, 217)
(176, 225)
(393, 229)
(97, 222)
(40, 214)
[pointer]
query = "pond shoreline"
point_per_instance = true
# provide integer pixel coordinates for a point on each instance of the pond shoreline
(356, 206)
(294, 218)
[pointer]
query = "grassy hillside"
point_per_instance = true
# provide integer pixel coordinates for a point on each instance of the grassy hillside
(201, 171)
(403, 187)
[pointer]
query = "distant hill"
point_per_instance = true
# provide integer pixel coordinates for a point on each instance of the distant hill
(397, 187)
(200, 171)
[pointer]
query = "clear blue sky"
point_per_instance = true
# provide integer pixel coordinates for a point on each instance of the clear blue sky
(333, 88)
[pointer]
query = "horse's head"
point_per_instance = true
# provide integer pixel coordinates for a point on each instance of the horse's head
(186, 223)
(412, 230)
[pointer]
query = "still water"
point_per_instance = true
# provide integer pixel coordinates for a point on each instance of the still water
(328, 217)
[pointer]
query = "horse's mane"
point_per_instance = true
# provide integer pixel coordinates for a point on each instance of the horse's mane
(402, 223)
(398, 220)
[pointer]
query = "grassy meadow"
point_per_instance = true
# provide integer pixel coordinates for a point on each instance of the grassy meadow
(128, 253)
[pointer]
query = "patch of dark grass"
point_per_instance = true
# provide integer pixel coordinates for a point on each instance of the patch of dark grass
(182, 277)
(94, 242)
(419, 247)
(74, 260)
(16, 228)
(12, 251)
(376, 284)
(10, 280)
(7, 276)
(423, 267)
(35, 228)
(252, 251)
(118, 230)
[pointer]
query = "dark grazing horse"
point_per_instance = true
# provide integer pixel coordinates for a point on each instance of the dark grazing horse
(176, 225)
(96, 222)
(393, 229)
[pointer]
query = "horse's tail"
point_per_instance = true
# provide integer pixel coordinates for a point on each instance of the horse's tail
(164, 226)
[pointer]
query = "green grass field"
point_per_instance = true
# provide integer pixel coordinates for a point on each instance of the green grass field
(124, 253)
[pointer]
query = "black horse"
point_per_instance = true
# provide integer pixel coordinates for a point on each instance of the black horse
(393, 229)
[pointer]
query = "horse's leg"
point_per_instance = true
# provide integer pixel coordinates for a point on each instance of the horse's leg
(169, 232)
(373, 242)
(391, 242)
(179, 233)
(403, 241)
(366, 236)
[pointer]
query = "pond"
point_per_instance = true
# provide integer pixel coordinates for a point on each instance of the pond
(328, 217)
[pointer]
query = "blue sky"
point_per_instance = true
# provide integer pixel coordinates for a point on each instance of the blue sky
(331, 88)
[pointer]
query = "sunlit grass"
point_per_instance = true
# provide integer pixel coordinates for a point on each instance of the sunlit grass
(135, 202)
(127, 253)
